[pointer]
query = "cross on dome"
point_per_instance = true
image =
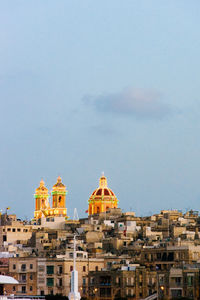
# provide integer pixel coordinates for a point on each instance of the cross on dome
(41, 182)
(103, 181)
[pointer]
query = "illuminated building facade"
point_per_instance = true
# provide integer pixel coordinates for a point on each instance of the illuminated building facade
(102, 199)
(42, 205)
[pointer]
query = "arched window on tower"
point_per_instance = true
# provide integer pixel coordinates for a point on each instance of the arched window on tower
(43, 203)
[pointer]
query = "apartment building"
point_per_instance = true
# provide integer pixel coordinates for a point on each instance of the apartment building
(179, 283)
(127, 282)
(50, 276)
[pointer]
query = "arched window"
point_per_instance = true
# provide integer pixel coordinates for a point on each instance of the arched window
(71, 268)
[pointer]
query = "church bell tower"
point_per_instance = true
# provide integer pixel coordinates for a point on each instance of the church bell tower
(59, 198)
(41, 200)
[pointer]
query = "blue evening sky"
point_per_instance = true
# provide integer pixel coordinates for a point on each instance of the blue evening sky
(91, 86)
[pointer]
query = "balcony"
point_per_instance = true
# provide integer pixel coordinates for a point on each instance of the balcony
(59, 273)
(22, 270)
(22, 281)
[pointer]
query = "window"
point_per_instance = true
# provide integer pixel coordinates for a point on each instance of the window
(13, 230)
(60, 270)
(9, 229)
(14, 288)
(31, 277)
(96, 268)
(18, 229)
(31, 266)
(178, 280)
(71, 268)
(60, 282)
(41, 293)
(23, 267)
(50, 282)
(50, 270)
(31, 288)
(4, 238)
(41, 279)
(84, 268)
(14, 267)
(84, 281)
(79, 254)
(158, 255)
(23, 277)
(41, 269)
(23, 289)
(132, 292)
(190, 280)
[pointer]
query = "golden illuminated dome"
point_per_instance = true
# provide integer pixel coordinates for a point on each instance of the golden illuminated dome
(102, 199)
(42, 188)
(59, 186)
(103, 190)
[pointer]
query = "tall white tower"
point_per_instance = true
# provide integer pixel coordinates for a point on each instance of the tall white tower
(74, 294)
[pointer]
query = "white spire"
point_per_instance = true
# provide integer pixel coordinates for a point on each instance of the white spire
(74, 294)
(75, 218)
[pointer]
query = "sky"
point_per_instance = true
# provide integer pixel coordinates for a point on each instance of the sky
(100, 86)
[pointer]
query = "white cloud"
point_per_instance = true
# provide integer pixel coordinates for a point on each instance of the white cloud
(138, 103)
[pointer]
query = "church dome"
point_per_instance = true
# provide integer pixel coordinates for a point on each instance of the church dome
(103, 190)
(102, 199)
